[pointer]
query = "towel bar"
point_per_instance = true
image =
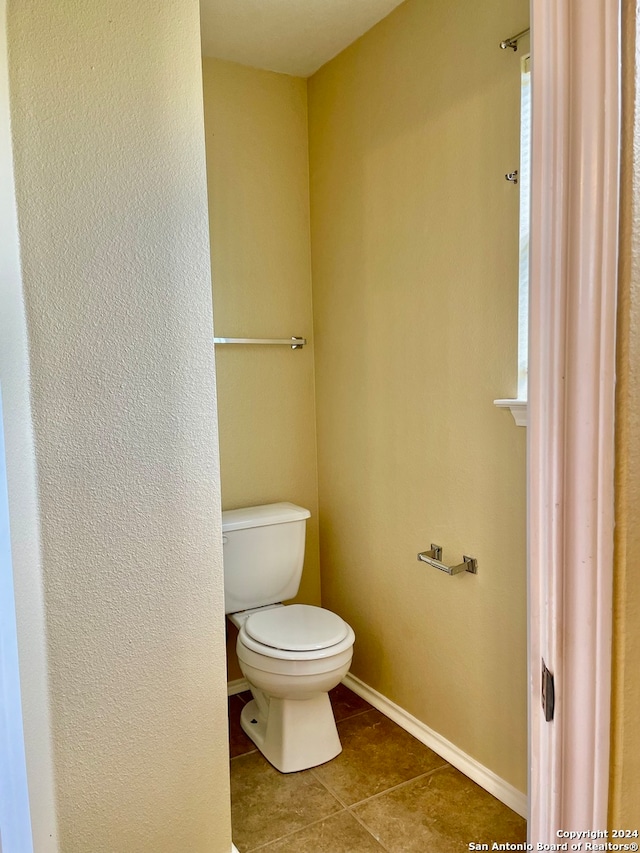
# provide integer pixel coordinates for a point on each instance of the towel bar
(294, 342)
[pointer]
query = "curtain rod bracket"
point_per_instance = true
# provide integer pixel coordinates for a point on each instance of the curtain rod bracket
(512, 41)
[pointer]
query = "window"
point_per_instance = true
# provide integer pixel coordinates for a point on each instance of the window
(518, 406)
(523, 277)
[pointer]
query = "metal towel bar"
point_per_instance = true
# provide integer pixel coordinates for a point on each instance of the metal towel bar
(293, 342)
(434, 556)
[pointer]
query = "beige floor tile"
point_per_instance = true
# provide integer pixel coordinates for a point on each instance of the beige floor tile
(338, 834)
(439, 813)
(266, 804)
(376, 755)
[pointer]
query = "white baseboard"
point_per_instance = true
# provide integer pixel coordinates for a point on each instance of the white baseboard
(234, 849)
(237, 686)
(480, 774)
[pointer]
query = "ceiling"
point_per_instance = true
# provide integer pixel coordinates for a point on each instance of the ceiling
(290, 36)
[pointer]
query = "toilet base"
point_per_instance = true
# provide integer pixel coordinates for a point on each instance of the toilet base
(292, 734)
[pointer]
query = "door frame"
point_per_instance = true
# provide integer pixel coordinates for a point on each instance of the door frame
(574, 254)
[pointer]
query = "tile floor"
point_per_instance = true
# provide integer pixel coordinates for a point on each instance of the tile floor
(385, 792)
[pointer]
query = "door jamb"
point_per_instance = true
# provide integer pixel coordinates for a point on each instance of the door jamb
(574, 252)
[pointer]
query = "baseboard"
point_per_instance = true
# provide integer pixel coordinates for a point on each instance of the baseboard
(237, 686)
(480, 774)
(234, 849)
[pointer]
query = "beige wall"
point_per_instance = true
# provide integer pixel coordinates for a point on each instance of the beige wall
(258, 180)
(110, 187)
(625, 755)
(414, 247)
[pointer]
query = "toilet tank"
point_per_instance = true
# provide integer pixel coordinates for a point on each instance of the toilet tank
(263, 553)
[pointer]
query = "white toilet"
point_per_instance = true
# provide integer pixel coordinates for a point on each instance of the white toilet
(291, 655)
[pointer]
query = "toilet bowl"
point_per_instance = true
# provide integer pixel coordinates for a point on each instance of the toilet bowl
(292, 656)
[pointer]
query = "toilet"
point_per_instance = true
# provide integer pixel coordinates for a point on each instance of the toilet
(291, 655)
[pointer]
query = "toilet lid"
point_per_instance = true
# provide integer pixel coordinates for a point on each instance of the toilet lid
(296, 628)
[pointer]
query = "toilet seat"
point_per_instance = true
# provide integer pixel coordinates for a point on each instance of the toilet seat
(327, 625)
(296, 628)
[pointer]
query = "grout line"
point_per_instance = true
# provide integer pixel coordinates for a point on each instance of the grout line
(399, 785)
(356, 714)
(242, 754)
(328, 788)
(369, 831)
(350, 806)
(295, 831)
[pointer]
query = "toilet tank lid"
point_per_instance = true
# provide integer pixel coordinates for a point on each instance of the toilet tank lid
(261, 516)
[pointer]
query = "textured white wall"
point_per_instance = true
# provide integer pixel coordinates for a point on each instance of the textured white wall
(111, 193)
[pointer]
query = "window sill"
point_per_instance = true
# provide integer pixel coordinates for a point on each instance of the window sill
(518, 410)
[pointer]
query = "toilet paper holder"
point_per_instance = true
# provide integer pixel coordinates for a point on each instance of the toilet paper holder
(433, 558)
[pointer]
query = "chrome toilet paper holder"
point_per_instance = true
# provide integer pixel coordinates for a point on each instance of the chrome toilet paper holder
(433, 558)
